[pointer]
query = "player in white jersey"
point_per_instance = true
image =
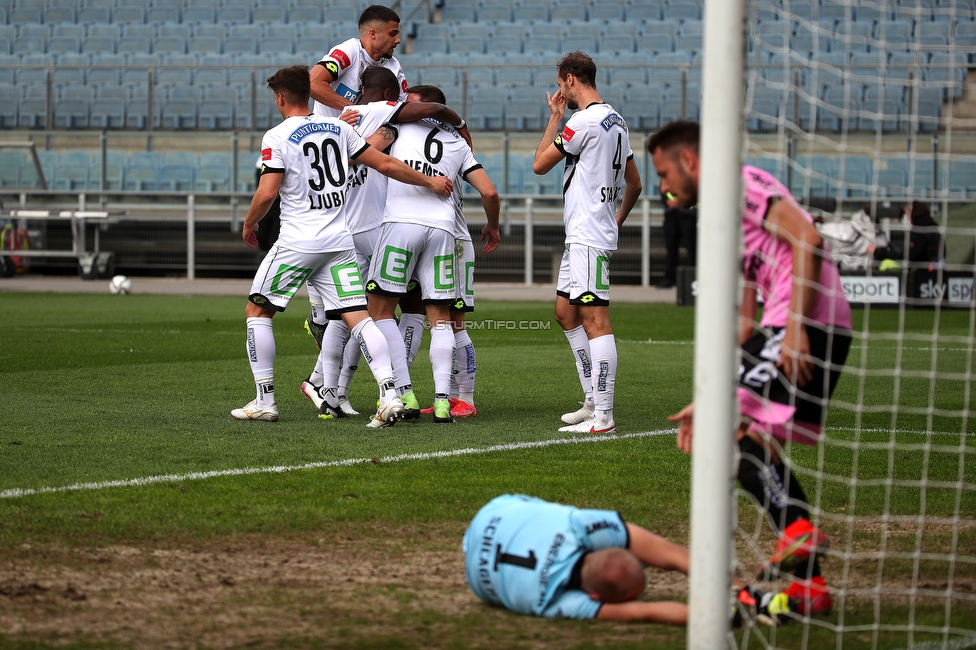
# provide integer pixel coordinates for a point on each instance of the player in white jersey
(336, 82)
(595, 145)
(337, 78)
(465, 366)
(306, 159)
(417, 241)
(377, 110)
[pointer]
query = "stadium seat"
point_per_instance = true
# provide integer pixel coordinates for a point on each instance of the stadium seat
(214, 173)
(495, 13)
(458, 13)
(199, 14)
(233, 15)
(538, 43)
(485, 113)
(175, 178)
(94, 15)
(504, 45)
(128, 14)
(532, 12)
(682, 11)
(606, 11)
(647, 12)
(54, 15)
(241, 45)
(9, 109)
(215, 114)
(523, 115)
(24, 15)
(568, 12)
(655, 43)
(107, 114)
(138, 115)
(582, 42)
(304, 15)
(430, 44)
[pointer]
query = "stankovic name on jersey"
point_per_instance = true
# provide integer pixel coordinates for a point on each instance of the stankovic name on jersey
(306, 130)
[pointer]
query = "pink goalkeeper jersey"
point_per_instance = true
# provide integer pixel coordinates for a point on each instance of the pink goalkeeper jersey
(768, 261)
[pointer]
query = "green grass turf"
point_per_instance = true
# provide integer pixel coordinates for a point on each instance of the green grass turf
(102, 388)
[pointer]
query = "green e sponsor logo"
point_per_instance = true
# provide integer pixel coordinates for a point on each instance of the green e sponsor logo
(443, 271)
(602, 273)
(347, 280)
(289, 279)
(395, 264)
(469, 278)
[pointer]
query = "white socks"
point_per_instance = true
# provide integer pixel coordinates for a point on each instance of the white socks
(464, 368)
(412, 333)
(261, 355)
(581, 354)
(603, 350)
(350, 363)
(397, 352)
(330, 356)
(442, 358)
(375, 351)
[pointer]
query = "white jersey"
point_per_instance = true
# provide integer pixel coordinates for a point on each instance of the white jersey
(460, 223)
(433, 149)
(366, 193)
(312, 153)
(347, 61)
(596, 143)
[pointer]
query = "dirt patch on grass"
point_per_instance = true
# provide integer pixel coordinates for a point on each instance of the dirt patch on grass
(402, 587)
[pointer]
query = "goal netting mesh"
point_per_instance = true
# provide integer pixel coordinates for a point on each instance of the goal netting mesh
(862, 108)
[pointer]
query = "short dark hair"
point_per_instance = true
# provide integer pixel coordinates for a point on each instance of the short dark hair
(680, 134)
(293, 83)
(428, 93)
(378, 13)
(377, 78)
(579, 65)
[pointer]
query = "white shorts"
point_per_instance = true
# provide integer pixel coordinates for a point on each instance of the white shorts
(365, 242)
(464, 263)
(406, 251)
(335, 277)
(584, 275)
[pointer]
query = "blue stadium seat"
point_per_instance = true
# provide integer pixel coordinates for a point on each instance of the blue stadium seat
(128, 14)
(9, 108)
(523, 115)
(516, 71)
(647, 12)
(214, 172)
(178, 178)
(480, 30)
(430, 45)
(304, 14)
(582, 42)
(656, 43)
(504, 45)
(241, 45)
(532, 12)
(54, 15)
(682, 11)
(607, 11)
(233, 15)
(495, 13)
(108, 113)
(140, 177)
(211, 75)
(138, 115)
(24, 15)
(568, 12)
(254, 31)
(541, 43)
(469, 45)
(453, 13)
(94, 15)
(199, 14)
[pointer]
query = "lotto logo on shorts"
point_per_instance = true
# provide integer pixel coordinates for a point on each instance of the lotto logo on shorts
(348, 282)
(289, 279)
(395, 264)
(444, 272)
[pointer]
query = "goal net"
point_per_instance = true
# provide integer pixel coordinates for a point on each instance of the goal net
(861, 109)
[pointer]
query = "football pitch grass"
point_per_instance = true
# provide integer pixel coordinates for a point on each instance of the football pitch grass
(120, 468)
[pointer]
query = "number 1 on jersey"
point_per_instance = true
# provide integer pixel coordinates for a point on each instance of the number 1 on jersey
(528, 562)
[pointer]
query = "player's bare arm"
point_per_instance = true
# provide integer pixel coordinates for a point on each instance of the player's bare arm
(400, 171)
(264, 196)
(632, 191)
(382, 138)
(685, 420)
(787, 223)
(547, 155)
(653, 550)
(492, 205)
(670, 612)
(321, 79)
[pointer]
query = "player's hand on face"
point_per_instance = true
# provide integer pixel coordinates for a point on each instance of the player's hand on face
(491, 237)
(684, 419)
(350, 117)
(557, 103)
(250, 235)
(794, 354)
(441, 185)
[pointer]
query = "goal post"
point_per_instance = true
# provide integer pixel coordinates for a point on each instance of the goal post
(719, 233)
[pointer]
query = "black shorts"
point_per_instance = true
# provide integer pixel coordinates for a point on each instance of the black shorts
(759, 376)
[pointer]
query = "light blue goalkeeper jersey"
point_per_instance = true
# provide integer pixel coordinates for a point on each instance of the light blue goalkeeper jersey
(520, 552)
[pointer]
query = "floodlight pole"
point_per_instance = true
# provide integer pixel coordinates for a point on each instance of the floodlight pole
(716, 323)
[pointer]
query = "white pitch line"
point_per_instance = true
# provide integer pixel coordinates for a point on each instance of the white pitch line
(197, 476)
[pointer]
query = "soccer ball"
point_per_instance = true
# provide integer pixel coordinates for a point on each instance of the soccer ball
(120, 284)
